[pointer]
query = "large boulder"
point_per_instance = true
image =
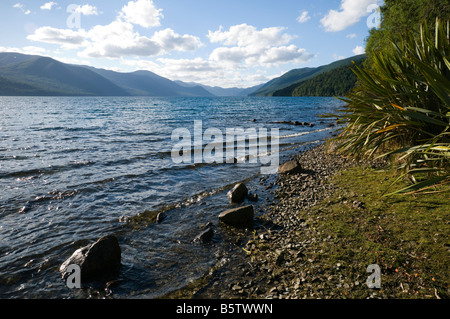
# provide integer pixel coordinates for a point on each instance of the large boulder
(239, 216)
(97, 261)
(238, 193)
(290, 167)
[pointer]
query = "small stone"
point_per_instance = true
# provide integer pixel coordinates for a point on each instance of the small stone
(252, 197)
(236, 287)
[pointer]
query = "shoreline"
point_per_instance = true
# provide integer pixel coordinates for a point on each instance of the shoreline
(299, 250)
(239, 277)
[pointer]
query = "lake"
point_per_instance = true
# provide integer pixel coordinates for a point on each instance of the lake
(73, 169)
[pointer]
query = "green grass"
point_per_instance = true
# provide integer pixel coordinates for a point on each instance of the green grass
(407, 236)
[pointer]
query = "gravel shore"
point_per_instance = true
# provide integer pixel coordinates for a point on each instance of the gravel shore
(282, 252)
(283, 257)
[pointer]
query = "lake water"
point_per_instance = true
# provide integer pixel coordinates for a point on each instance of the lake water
(73, 169)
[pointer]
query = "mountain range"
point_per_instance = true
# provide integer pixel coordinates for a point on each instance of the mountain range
(29, 75)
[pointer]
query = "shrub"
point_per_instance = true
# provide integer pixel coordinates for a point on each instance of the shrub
(401, 108)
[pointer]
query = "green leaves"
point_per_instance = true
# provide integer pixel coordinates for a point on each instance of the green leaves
(401, 108)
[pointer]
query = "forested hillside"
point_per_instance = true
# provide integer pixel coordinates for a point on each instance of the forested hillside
(337, 82)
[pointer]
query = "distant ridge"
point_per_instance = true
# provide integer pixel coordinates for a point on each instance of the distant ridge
(36, 75)
(290, 80)
(218, 91)
(29, 75)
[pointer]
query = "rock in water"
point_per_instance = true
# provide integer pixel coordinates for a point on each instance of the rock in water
(239, 216)
(97, 261)
(252, 197)
(238, 193)
(290, 167)
(205, 236)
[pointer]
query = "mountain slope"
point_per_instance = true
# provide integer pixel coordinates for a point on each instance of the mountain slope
(12, 58)
(297, 76)
(336, 82)
(146, 83)
(36, 75)
(51, 76)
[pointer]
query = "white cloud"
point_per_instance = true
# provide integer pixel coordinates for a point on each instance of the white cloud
(64, 37)
(87, 10)
(247, 35)
(115, 40)
(285, 54)
(304, 17)
(143, 13)
(22, 8)
(351, 36)
(351, 12)
(247, 45)
(359, 50)
(48, 5)
(171, 41)
(118, 39)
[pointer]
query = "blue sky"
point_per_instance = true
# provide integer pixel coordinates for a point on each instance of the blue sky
(233, 43)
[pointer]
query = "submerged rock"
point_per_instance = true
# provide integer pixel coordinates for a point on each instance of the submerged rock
(100, 260)
(205, 236)
(239, 216)
(159, 218)
(252, 197)
(238, 193)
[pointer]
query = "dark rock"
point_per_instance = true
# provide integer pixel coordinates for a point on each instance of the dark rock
(159, 217)
(252, 197)
(281, 258)
(205, 236)
(290, 167)
(239, 216)
(238, 193)
(97, 261)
